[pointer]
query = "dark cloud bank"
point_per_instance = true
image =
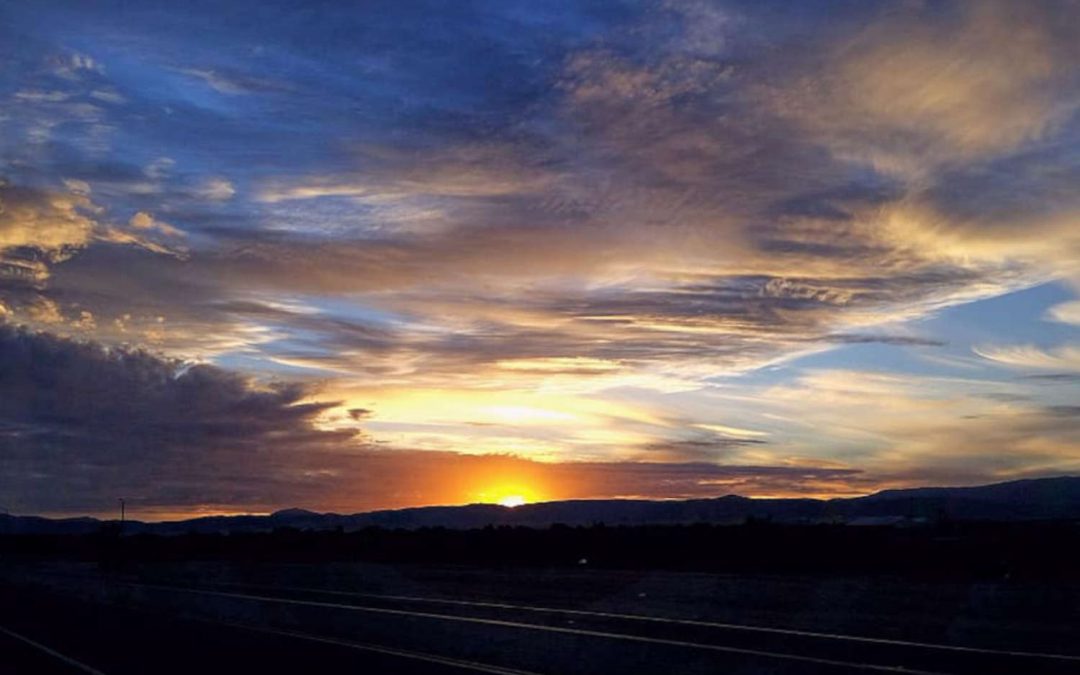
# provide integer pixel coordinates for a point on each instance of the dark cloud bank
(81, 423)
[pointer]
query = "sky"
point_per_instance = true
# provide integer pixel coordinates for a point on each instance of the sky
(261, 254)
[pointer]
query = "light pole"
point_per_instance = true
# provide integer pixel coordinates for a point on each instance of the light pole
(122, 509)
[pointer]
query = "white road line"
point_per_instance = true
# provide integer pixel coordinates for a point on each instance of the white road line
(51, 652)
(549, 629)
(381, 649)
(666, 620)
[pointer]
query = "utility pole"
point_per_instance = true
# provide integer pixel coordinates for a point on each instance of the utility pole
(122, 508)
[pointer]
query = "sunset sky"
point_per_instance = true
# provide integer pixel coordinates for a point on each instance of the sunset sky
(257, 255)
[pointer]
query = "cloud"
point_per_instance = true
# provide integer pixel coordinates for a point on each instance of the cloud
(88, 422)
(1066, 312)
(52, 223)
(912, 429)
(39, 228)
(924, 86)
(147, 223)
(92, 423)
(650, 210)
(905, 340)
(232, 84)
(1064, 358)
(620, 206)
(217, 189)
(69, 64)
(44, 311)
(429, 179)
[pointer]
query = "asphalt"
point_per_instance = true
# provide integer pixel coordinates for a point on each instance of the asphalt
(64, 636)
(20, 654)
(115, 626)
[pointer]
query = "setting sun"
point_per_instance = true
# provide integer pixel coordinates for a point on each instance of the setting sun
(510, 494)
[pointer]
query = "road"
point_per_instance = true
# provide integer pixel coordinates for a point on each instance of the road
(113, 626)
(46, 634)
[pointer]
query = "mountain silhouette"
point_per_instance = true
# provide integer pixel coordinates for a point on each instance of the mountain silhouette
(1022, 500)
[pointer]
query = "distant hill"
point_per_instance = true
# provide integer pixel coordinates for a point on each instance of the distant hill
(1023, 500)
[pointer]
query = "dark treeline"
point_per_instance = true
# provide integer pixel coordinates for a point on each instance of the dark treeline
(973, 550)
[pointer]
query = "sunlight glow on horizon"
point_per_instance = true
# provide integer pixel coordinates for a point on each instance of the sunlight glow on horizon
(510, 493)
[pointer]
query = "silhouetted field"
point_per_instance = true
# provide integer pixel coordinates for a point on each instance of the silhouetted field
(758, 598)
(1044, 550)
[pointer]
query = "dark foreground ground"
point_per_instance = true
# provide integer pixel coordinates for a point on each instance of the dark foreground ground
(331, 617)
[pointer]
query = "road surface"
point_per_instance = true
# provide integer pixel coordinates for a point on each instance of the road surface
(114, 626)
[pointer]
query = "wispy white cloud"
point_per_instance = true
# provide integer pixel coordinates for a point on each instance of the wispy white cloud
(1066, 312)
(1065, 358)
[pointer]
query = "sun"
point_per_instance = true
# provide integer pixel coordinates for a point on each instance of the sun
(511, 501)
(508, 492)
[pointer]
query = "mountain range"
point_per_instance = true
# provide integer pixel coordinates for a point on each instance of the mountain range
(1022, 500)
